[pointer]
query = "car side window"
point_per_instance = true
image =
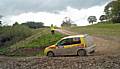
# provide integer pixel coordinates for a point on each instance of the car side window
(65, 42)
(76, 40)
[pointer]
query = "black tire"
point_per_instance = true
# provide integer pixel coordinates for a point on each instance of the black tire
(81, 53)
(50, 54)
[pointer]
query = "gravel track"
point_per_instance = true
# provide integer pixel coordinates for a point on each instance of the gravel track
(73, 62)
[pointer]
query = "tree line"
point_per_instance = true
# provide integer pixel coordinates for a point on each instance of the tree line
(112, 13)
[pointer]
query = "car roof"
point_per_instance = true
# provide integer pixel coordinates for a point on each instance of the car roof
(73, 36)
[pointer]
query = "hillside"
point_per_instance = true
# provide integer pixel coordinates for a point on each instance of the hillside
(33, 45)
(101, 30)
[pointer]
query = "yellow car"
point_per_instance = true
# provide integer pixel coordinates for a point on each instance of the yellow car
(72, 45)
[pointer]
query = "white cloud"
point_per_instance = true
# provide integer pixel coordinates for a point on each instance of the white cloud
(77, 16)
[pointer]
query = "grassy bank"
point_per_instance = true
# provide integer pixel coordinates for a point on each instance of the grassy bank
(108, 31)
(33, 45)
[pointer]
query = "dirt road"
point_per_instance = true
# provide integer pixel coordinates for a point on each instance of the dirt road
(107, 56)
(88, 62)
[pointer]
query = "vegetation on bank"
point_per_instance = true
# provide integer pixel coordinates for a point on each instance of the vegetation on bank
(12, 34)
(110, 31)
(36, 43)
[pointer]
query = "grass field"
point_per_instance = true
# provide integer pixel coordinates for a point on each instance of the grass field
(108, 31)
(33, 45)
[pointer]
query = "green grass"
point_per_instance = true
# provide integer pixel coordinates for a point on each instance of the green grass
(43, 41)
(110, 31)
(40, 39)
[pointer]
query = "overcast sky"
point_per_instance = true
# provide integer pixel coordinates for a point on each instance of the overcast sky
(10, 7)
(36, 10)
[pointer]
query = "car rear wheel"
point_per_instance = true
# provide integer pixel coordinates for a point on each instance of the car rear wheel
(50, 54)
(81, 53)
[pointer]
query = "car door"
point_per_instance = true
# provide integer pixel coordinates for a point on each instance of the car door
(63, 47)
(75, 43)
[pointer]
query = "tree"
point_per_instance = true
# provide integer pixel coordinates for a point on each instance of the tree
(16, 23)
(112, 11)
(116, 12)
(116, 8)
(0, 23)
(103, 17)
(34, 25)
(92, 19)
(108, 9)
(66, 22)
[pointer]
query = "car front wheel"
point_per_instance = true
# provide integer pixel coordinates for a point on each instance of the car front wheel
(81, 53)
(50, 54)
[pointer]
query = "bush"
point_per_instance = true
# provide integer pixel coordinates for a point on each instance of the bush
(11, 34)
(34, 25)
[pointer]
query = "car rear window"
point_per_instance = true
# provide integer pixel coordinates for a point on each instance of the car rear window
(76, 40)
